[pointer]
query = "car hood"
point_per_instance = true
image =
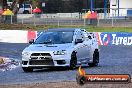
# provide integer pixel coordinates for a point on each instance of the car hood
(47, 47)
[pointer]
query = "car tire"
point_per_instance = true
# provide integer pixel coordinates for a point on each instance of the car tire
(73, 61)
(95, 59)
(25, 69)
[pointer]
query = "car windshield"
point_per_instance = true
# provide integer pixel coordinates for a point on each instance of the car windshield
(54, 38)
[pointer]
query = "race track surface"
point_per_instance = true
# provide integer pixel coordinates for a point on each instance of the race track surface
(113, 60)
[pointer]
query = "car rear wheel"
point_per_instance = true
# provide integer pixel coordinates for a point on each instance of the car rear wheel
(73, 61)
(25, 69)
(95, 59)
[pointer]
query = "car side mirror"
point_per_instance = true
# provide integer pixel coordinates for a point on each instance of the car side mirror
(78, 41)
(31, 41)
(89, 37)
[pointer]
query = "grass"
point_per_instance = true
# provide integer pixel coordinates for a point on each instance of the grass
(110, 29)
(42, 27)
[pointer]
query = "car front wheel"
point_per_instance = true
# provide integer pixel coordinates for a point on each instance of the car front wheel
(73, 61)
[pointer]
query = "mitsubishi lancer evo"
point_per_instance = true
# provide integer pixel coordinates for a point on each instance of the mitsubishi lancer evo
(61, 47)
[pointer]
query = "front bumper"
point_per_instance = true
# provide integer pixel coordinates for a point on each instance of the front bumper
(55, 61)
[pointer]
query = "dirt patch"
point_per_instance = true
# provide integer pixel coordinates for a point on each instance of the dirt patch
(8, 64)
(66, 85)
(1, 60)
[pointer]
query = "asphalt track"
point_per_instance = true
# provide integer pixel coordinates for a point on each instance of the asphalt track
(113, 60)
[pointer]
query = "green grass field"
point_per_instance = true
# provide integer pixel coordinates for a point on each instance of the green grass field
(44, 27)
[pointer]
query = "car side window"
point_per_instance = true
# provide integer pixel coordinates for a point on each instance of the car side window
(79, 35)
(85, 34)
(20, 6)
(90, 35)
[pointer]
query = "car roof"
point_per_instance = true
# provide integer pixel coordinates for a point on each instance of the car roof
(62, 29)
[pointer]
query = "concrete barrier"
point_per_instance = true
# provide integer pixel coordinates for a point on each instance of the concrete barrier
(54, 15)
(16, 36)
(114, 38)
(24, 16)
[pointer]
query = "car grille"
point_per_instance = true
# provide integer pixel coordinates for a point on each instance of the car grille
(41, 59)
(41, 62)
(40, 56)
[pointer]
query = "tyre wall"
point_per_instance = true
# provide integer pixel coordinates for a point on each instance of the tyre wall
(103, 38)
(114, 38)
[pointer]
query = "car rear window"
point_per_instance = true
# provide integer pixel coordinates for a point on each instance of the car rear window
(27, 6)
(20, 6)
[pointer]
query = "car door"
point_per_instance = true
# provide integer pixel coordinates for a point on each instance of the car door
(81, 48)
(87, 44)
